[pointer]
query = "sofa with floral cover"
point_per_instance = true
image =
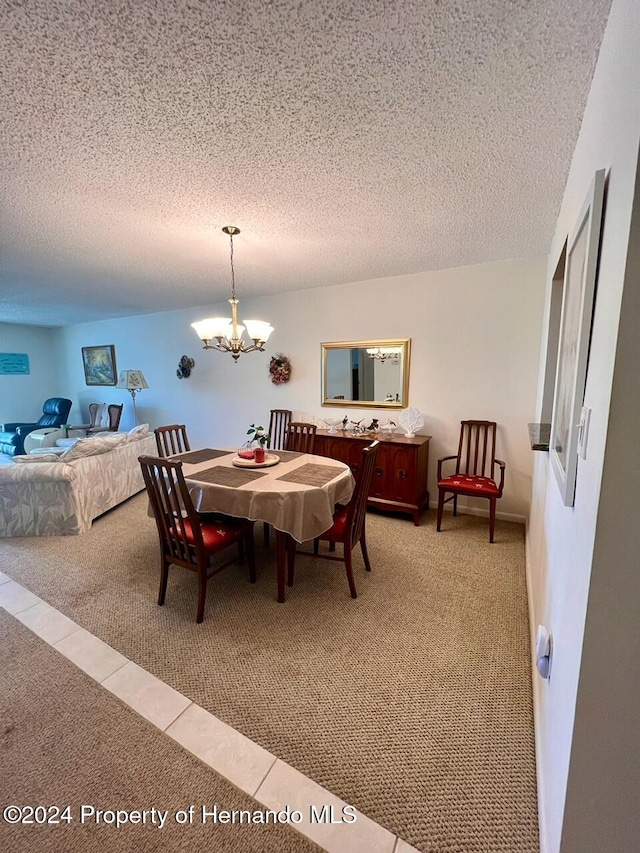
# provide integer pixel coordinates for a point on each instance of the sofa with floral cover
(59, 495)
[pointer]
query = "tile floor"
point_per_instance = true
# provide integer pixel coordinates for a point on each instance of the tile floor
(247, 765)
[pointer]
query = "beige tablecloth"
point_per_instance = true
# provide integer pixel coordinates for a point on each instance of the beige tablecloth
(302, 509)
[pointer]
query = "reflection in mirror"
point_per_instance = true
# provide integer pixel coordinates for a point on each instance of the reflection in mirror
(373, 374)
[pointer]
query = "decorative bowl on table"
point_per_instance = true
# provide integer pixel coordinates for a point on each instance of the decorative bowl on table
(333, 424)
(246, 452)
(269, 460)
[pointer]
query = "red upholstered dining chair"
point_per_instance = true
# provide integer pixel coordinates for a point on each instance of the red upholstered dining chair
(172, 439)
(475, 470)
(186, 539)
(278, 428)
(301, 437)
(348, 522)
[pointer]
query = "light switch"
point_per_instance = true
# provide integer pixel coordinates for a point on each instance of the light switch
(583, 431)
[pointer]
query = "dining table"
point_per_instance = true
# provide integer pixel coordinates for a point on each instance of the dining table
(296, 493)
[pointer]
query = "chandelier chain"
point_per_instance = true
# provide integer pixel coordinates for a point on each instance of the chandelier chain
(233, 275)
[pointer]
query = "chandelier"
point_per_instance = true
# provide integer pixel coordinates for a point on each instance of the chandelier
(382, 353)
(225, 330)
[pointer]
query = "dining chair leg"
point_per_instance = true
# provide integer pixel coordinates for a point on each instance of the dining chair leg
(316, 545)
(202, 593)
(251, 555)
(265, 533)
(332, 546)
(440, 508)
(455, 506)
(164, 576)
(347, 562)
(492, 517)
(365, 556)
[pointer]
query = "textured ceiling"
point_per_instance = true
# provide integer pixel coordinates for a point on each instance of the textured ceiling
(348, 140)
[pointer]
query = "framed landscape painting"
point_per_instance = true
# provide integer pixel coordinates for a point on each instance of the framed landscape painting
(575, 333)
(99, 365)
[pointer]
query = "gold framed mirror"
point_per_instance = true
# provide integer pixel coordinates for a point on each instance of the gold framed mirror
(367, 374)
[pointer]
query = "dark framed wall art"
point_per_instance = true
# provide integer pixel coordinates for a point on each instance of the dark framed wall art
(99, 365)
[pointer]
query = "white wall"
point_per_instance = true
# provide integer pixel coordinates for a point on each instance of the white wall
(604, 769)
(475, 346)
(22, 396)
(560, 543)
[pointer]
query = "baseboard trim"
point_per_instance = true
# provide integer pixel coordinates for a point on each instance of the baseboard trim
(544, 847)
(484, 513)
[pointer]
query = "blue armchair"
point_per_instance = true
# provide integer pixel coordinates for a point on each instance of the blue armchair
(12, 435)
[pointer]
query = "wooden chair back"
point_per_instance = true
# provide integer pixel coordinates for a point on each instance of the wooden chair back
(301, 437)
(172, 507)
(94, 408)
(358, 503)
(172, 439)
(349, 522)
(114, 411)
(278, 428)
(476, 448)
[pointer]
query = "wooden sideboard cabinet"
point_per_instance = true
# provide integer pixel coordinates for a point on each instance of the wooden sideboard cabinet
(399, 479)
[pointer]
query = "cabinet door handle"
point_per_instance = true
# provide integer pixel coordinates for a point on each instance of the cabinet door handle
(355, 467)
(378, 472)
(403, 474)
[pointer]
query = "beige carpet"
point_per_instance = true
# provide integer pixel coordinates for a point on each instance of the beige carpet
(412, 702)
(102, 754)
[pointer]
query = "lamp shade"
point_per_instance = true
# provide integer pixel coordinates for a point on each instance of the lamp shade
(213, 327)
(132, 380)
(258, 330)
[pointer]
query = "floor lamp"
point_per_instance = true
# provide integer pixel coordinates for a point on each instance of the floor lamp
(133, 381)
